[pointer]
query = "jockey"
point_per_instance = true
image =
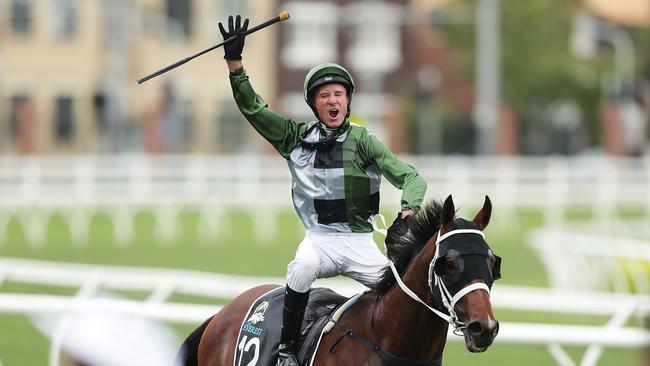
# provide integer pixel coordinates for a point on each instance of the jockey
(336, 168)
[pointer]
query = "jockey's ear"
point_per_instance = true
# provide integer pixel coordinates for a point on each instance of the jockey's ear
(482, 218)
(448, 213)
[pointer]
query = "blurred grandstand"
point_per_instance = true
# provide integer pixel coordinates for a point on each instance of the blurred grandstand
(543, 105)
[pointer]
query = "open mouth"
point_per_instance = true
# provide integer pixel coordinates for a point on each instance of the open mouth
(333, 113)
(471, 346)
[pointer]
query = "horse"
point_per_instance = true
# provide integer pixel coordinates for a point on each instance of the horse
(440, 274)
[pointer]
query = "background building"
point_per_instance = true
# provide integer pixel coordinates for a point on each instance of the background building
(69, 70)
(433, 76)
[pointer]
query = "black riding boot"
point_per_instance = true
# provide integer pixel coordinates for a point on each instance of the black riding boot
(292, 315)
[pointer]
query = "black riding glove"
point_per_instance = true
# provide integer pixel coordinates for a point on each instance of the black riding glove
(397, 229)
(234, 48)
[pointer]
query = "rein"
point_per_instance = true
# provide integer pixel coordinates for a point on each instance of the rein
(448, 300)
(385, 356)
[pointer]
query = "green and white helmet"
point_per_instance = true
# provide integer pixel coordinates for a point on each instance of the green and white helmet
(327, 73)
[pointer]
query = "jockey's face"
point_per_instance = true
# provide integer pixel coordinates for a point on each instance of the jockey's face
(331, 101)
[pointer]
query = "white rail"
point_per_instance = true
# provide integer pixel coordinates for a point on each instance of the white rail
(200, 180)
(516, 333)
(13, 303)
(221, 286)
(33, 188)
(601, 261)
(162, 283)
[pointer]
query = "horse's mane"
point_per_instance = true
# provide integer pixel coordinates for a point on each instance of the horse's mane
(422, 227)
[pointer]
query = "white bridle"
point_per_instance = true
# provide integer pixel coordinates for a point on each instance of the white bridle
(434, 280)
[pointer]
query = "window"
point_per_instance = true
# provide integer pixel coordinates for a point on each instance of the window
(375, 42)
(22, 123)
(19, 103)
(231, 7)
(179, 18)
(99, 111)
(64, 122)
(177, 126)
(21, 19)
(64, 18)
(186, 114)
(230, 128)
(311, 40)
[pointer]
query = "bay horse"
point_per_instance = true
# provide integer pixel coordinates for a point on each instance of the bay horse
(441, 273)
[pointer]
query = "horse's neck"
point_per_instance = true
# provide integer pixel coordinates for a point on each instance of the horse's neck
(401, 319)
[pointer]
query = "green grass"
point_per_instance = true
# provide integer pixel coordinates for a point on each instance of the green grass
(238, 252)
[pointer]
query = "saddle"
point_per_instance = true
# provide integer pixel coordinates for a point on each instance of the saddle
(259, 334)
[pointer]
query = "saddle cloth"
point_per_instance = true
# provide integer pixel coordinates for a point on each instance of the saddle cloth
(259, 335)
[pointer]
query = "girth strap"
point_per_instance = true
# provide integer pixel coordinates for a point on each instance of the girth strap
(385, 356)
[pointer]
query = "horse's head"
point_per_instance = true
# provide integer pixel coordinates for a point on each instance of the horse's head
(462, 272)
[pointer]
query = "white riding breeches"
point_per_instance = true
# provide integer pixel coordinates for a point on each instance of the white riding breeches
(321, 255)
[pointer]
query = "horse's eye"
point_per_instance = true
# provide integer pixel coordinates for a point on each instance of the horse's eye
(453, 268)
(451, 264)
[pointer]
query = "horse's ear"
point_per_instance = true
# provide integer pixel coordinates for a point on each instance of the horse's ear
(482, 218)
(448, 213)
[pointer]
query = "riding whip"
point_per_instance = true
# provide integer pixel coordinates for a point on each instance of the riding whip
(283, 16)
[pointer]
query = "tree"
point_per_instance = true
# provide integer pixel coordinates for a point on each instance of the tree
(537, 67)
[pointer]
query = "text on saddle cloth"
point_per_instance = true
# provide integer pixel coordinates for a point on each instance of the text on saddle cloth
(259, 335)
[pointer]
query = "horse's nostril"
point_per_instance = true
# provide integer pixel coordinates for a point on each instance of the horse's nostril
(480, 329)
(475, 329)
